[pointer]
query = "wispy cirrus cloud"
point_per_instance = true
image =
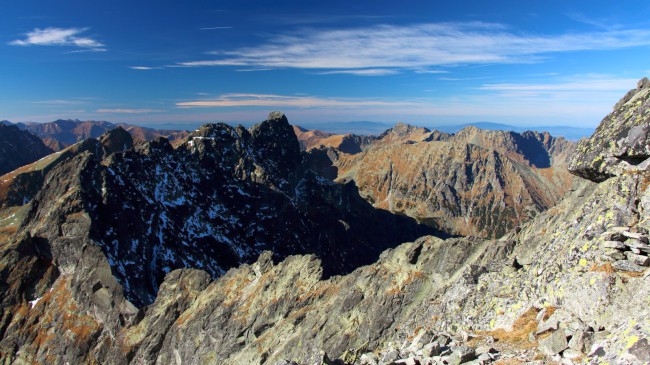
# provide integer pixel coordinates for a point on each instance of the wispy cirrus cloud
(60, 37)
(415, 47)
(145, 68)
(363, 72)
(284, 101)
(128, 111)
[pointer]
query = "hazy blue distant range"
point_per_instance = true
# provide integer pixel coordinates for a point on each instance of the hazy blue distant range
(366, 127)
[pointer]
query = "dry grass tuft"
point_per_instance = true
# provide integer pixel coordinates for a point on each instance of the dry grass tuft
(523, 326)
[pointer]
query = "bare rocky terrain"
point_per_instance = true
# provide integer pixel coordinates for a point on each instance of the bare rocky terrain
(570, 285)
(475, 182)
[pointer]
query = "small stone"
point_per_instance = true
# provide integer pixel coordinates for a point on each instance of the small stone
(432, 349)
(638, 259)
(442, 340)
(619, 229)
(581, 341)
(408, 361)
(637, 244)
(369, 359)
(571, 354)
(486, 350)
(635, 235)
(548, 325)
(462, 354)
(613, 236)
(553, 344)
(624, 265)
(390, 356)
(615, 244)
(614, 254)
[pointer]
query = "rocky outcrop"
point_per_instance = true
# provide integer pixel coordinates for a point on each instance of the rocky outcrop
(19, 148)
(621, 141)
(477, 182)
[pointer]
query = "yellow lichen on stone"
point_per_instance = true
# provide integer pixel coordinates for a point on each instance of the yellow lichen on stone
(631, 341)
(583, 262)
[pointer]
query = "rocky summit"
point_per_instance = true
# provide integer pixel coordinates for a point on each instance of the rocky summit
(238, 248)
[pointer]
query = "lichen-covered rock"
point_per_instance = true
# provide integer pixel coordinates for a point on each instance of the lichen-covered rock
(620, 142)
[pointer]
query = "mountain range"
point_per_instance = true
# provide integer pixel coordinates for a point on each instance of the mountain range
(475, 182)
(62, 133)
(236, 247)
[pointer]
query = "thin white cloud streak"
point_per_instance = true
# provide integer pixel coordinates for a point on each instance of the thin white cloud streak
(59, 37)
(86, 50)
(415, 47)
(282, 101)
(253, 69)
(144, 68)
(128, 111)
(431, 71)
(363, 72)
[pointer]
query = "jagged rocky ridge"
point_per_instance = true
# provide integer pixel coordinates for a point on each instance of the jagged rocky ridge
(553, 290)
(475, 182)
(217, 201)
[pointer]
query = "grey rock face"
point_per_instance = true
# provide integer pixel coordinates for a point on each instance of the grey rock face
(620, 142)
(554, 344)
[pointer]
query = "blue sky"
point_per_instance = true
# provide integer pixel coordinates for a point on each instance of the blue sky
(422, 62)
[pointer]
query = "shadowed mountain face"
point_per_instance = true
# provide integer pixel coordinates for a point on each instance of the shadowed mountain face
(216, 201)
(475, 182)
(19, 148)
